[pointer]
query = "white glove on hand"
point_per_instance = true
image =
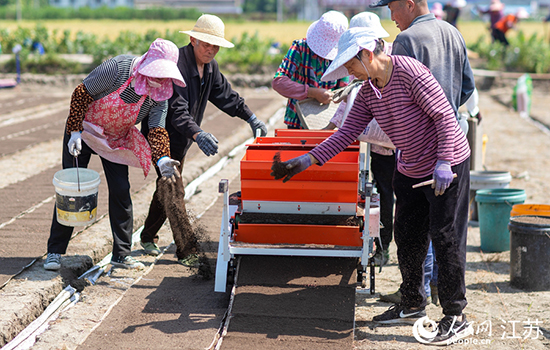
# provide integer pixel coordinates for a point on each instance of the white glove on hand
(167, 166)
(75, 143)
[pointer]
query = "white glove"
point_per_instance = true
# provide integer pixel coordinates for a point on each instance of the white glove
(167, 166)
(75, 143)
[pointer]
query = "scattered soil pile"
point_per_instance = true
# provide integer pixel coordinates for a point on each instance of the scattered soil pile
(187, 238)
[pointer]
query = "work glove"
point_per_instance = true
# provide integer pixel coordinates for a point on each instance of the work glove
(167, 166)
(443, 176)
(290, 168)
(207, 143)
(75, 143)
(257, 124)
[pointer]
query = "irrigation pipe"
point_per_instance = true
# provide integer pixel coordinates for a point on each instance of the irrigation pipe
(62, 299)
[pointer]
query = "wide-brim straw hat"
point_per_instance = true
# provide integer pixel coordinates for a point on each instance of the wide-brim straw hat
(161, 61)
(322, 35)
(210, 29)
(369, 20)
(351, 42)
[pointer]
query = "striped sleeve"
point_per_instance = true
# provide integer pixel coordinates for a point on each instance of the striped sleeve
(429, 96)
(102, 78)
(157, 115)
(413, 112)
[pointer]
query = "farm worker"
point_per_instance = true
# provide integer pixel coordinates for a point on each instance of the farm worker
(442, 49)
(508, 22)
(382, 159)
(120, 93)
(452, 11)
(411, 108)
(205, 83)
(495, 12)
(299, 75)
(437, 10)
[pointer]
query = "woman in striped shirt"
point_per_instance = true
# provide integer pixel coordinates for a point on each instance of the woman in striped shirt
(411, 108)
(104, 110)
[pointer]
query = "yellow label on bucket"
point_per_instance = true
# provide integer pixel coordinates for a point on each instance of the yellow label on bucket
(76, 217)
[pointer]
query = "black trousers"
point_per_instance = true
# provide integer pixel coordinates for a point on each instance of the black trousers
(382, 170)
(421, 216)
(500, 36)
(156, 215)
(120, 204)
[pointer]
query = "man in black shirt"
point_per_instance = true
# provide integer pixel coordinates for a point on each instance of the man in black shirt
(186, 109)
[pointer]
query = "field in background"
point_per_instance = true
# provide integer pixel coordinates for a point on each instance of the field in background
(282, 32)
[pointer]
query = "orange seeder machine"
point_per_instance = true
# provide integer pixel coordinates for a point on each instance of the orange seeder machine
(319, 212)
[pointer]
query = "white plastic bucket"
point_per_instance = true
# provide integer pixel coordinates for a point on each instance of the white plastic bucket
(76, 201)
(482, 180)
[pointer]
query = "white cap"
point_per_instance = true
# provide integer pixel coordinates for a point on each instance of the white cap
(368, 20)
(351, 42)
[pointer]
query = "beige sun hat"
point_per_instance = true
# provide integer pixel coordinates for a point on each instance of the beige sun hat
(210, 29)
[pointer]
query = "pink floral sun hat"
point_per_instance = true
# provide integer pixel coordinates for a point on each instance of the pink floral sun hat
(322, 35)
(160, 61)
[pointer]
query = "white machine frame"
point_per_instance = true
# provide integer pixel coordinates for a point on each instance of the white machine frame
(227, 250)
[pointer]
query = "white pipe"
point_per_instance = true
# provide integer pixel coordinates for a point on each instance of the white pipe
(61, 298)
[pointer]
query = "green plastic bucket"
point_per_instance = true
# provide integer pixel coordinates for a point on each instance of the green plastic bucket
(494, 207)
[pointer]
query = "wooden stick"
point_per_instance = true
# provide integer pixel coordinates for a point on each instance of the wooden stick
(429, 182)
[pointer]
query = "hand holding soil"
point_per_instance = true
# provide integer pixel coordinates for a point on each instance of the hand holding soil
(289, 168)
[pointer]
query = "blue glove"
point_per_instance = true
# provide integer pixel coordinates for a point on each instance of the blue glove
(75, 143)
(443, 176)
(207, 143)
(257, 124)
(168, 166)
(291, 167)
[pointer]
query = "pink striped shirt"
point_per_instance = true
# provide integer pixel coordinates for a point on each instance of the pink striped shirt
(413, 112)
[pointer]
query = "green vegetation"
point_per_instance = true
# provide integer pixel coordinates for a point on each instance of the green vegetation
(524, 54)
(529, 50)
(119, 13)
(250, 54)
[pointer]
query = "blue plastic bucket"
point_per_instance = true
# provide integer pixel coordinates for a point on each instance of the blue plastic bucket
(494, 207)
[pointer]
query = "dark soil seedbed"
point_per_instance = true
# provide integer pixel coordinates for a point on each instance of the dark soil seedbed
(299, 219)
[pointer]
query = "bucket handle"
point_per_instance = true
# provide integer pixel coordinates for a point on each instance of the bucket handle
(511, 205)
(77, 175)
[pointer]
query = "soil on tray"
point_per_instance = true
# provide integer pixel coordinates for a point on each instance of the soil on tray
(300, 219)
